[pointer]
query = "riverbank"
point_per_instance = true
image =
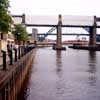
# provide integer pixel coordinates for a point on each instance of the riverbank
(12, 79)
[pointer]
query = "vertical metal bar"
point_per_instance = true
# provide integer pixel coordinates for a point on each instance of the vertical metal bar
(22, 51)
(19, 52)
(11, 57)
(4, 60)
(15, 55)
(3, 94)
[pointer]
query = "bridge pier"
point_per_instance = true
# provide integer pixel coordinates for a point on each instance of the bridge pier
(58, 45)
(23, 19)
(59, 33)
(92, 40)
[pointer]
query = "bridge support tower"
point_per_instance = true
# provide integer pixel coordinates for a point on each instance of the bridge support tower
(59, 33)
(92, 40)
(23, 19)
(58, 45)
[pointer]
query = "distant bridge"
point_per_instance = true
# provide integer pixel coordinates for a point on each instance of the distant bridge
(90, 27)
(47, 25)
(23, 20)
(64, 34)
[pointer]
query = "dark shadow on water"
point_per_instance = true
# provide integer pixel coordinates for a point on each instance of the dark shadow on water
(60, 84)
(58, 63)
(92, 68)
(25, 91)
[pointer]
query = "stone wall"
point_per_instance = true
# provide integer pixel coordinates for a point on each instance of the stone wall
(12, 82)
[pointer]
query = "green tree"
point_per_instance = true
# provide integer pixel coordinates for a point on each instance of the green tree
(4, 4)
(5, 18)
(20, 33)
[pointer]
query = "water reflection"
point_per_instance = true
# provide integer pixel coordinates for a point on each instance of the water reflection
(60, 84)
(25, 91)
(92, 68)
(52, 79)
(58, 63)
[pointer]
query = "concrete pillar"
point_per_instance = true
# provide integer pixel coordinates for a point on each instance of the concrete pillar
(92, 40)
(23, 19)
(59, 32)
(34, 34)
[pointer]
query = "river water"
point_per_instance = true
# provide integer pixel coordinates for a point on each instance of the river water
(63, 75)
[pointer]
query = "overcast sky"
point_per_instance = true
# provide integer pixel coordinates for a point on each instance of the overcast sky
(54, 7)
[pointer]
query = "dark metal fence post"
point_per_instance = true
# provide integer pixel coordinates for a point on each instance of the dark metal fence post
(25, 50)
(15, 55)
(11, 57)
(22, 51)
(19, 52)
(4, 60)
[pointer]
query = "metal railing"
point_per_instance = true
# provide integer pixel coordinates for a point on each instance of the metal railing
(13, 55)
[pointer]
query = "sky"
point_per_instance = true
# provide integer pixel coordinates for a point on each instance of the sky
(54, 8)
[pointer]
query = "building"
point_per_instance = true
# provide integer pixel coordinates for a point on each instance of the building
(34, 34)
(5, 39)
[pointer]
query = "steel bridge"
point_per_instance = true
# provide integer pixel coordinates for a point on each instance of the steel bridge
(91, 29)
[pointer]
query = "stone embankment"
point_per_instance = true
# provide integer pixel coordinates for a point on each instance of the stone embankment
(11, 80)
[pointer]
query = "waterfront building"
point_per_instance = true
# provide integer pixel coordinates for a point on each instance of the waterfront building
(5, 39)
(34, 34)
